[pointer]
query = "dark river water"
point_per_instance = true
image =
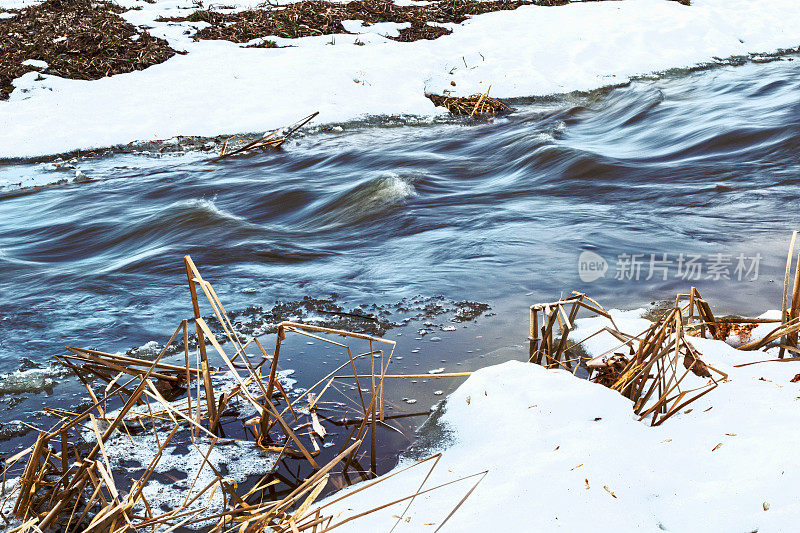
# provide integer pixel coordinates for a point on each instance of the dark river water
(703, 167)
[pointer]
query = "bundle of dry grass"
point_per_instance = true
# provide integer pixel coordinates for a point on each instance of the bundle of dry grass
(79, 39)
(654, 377)
(273, 139)
(477, 105)
(649, 368)
(652, 368)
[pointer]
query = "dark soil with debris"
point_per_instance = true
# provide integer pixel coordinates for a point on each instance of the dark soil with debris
(416, 33)
(79, 39)
(314, 17)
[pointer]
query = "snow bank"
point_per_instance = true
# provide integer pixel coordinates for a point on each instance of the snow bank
(18, 4)
(223, 88)
(566, 454)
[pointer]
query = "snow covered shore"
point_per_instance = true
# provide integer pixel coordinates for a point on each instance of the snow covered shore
(566, 454)
(220, 87)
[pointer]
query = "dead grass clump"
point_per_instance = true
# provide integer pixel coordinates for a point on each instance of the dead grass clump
(649, 374)
(79, 39)
(612, 370)
(743, 331)
(264, 44)
(315, 17)
(480, 105)
(424, 32)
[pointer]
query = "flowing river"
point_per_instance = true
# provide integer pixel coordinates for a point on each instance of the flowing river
(692, 178)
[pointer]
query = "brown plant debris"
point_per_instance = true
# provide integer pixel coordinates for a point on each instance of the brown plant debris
(650, 374)
(610, 372)
(651, 368)
(477, 105)
(315, 17)
(269, 140)
(741, 330)
(420, 32)
(79, 39)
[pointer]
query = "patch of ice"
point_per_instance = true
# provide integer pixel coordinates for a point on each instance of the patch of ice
(23, 381)
(238, 460)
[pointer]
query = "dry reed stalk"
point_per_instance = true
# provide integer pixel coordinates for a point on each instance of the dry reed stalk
(209, 389)
(87, 472)
(784, 330)
(411, 497)
(794, 307)
(784, 314)
(442, 375)
(543, 344)
(268, 140)
(269, 414)
(477, 105)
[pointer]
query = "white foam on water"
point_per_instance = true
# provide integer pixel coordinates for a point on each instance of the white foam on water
(25, 381)
(204, 205)
(391, 190)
